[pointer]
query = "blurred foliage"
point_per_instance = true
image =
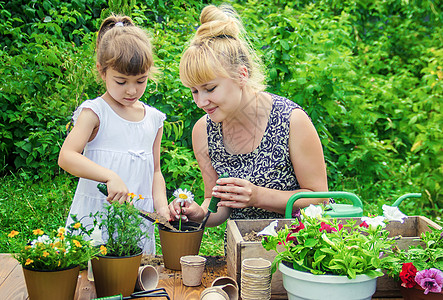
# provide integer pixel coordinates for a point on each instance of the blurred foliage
(368, 73)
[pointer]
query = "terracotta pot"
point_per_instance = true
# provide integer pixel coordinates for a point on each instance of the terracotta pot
(417, 293)
(51, 285)
(177, 244)
(115, 275)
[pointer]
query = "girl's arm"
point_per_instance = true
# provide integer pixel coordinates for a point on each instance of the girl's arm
(306, 154)
(158, 183)
(71, 159)
(194, 211)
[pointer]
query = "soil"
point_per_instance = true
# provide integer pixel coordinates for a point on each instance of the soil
(161, 220)
(252, 237)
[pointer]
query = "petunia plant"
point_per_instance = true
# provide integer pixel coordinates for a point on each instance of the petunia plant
(322, 245)
(54, 250)
(182, 196)
(420, 265)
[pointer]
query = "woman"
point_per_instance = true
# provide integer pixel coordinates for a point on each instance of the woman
(266, 143)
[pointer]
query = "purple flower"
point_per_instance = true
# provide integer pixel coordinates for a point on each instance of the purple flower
(430, 280)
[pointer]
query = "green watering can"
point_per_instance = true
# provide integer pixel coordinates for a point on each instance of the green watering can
(336, 210)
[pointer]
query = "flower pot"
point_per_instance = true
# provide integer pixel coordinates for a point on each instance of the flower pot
(51, 285)
(303, 285)
(115, 275)
(176, 244)
(417, 293)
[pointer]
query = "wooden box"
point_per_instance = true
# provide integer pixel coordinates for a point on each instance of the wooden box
(238, 249)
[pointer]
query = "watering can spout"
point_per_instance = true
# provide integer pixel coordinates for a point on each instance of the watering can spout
(401, 198)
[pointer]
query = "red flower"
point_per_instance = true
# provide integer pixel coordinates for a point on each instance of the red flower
(298, 228)
(364, 224)
(290, 238)
(407, 275)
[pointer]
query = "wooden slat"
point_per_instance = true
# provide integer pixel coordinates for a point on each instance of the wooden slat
(12, 284)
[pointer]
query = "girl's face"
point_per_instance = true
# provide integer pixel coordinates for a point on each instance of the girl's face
(124, 89)
(220, 98)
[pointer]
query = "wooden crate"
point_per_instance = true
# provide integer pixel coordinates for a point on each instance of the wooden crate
(238, 249)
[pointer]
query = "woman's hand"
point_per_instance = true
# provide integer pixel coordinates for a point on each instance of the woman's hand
(190, 211)
(164, 212)
(235, 192)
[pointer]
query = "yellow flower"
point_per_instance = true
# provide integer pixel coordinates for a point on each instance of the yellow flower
(77, 225)
(77, 243)
(28, 261)
(13, 233)
(27, 247)
(132, 195)
(45, 254)
(37, 231)
(103, 250)
(61, 231)
(140, 197)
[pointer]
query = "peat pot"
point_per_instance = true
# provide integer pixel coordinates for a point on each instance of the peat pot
(115, 275)
(51, 285)
(176, 244)
(304, 286)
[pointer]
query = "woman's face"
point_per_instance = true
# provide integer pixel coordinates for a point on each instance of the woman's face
(220, 98)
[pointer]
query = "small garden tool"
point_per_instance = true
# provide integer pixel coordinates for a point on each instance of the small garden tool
(155, 218)
(160, 292)
(339, 210)
(212, 208)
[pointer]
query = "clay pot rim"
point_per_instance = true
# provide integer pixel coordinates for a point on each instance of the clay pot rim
(116, 257)
(57, 270)
(194, 227)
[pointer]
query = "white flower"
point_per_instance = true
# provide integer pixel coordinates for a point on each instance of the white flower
(392, 213)
(270, 229)
(182, 196)
(374, 222)
(44, 239)
(313, 211)
(96, 237)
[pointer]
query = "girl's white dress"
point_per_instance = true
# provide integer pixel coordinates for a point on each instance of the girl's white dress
(126, 148)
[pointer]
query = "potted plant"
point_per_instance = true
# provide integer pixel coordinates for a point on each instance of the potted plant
(51, 262)
(115, 270)
(184, 241)
(327, 258)
(419, 268)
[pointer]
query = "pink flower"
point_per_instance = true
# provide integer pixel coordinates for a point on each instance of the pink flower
(290, 238)
(430, 280)
(364, 224)
(328, 228)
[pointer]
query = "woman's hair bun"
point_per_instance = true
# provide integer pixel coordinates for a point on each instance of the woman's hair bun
(219, 21)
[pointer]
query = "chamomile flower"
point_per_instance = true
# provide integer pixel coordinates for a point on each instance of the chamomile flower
(183, 196)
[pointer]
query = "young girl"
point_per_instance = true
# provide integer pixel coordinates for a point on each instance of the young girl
(265, 142)
(118, 135)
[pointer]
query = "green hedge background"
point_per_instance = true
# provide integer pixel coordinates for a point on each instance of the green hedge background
(369, 73)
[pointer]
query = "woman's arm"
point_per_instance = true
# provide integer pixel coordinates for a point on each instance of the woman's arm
(194, 211)
(158, 183)
(71, 159)
(306, 155)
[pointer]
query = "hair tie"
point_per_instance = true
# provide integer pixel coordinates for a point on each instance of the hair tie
(119, 24)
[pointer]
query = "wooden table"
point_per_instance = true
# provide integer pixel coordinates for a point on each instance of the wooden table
(12, 284)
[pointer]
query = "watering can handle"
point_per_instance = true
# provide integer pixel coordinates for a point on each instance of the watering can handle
(401, 198)
(350, 196)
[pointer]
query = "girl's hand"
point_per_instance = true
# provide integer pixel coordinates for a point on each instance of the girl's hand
(235, 192)
(164, 211)
(190, 211)
(117, 190)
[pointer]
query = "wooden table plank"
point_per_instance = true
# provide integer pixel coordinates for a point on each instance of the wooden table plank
(12, 284)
